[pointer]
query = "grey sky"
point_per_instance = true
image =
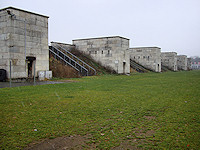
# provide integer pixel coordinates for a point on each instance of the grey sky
(173, 25)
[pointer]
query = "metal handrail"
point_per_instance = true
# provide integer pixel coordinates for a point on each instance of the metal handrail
(77, 58)
(82, 67)
(70, 58)
(137, 65)
(62, 59)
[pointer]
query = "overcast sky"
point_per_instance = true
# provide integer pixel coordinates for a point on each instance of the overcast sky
(172, 25)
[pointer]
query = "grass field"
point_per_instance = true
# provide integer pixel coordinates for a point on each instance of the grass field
(144, 111)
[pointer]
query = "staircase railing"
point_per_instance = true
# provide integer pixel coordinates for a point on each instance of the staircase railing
(58, 54)
(139, 67)
(78, 60)
(166, 68)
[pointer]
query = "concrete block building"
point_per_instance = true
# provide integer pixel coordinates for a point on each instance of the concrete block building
(111, 52)
(182, 62)
(23, 42)
(189, 63)
(169, 59)
(195, 63)
(149, 57)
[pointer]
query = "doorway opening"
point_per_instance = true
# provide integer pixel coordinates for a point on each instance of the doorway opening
(124, 65)
(158, 68)
(30, 65)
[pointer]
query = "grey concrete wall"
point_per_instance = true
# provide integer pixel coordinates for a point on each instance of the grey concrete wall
(150, 57)
(182, 62)
(109, 51)
(169, 59)
(12, 41)
(189, 63)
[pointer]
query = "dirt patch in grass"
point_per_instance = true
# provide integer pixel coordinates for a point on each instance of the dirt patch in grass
(125, 145)
(132, 144)
(143, 133)
(84, 142)
(63, 143)
(139, 141)
(149, 133)
(150, 117)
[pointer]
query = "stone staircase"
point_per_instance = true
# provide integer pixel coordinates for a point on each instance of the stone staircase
(62, 54)
(138, 67)
(165, 68)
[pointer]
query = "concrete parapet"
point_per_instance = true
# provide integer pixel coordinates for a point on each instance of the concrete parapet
(169, 59)
(149, 57)
(109, 51)
(182, 62)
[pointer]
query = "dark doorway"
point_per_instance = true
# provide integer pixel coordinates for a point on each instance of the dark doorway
(124, 64)
(158, 68)
(30, 61)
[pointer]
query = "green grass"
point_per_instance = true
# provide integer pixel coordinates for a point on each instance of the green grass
(148, 111)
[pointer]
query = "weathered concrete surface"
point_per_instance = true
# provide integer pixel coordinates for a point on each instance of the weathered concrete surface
(169, 59)
(111, 52)
(23, 41)
(182, 62)
(189, 63)
(149, 57)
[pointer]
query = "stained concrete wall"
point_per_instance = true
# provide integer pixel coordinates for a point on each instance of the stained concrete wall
(149, 57)
(182, 62)
(169, 59)
(189, 63)
(109, 51)
(14, 24)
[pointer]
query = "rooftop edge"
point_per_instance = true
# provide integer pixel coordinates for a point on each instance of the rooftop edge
(23, 11)
(101, 38)
(144, 47)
